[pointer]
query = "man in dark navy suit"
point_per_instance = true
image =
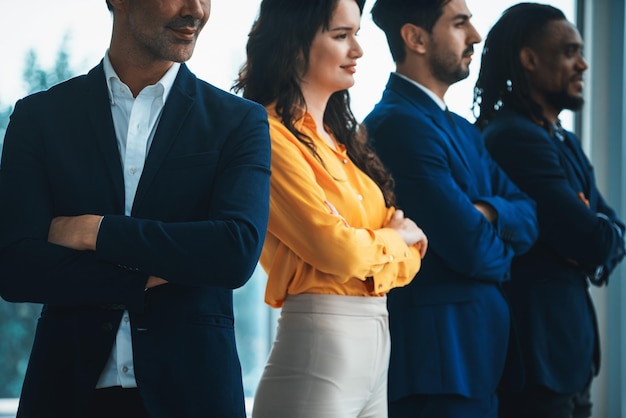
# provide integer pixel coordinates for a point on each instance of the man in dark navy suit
(134, 199)
(533, 69)
(450, 326)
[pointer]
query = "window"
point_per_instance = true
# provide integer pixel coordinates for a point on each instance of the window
(82, 30)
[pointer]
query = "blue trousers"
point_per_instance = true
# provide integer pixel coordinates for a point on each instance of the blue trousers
(443, 406)
(540, 402)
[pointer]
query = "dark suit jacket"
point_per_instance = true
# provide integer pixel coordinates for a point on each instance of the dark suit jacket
(549, 289)
(199, 220)
(450, 326)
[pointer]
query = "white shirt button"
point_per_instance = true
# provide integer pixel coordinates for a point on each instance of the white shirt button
(124, 369)
(360, 197)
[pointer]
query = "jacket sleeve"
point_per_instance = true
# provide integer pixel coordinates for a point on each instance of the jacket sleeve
(517, 223)
(31, 269)
(188, 252)
(599, 275)
(223, 248)
(438, 199)
(591, 236)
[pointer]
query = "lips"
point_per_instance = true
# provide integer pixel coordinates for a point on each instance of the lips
(185, 28)
(185, 33)
(350, 68)
(577, 80)
(468, 52)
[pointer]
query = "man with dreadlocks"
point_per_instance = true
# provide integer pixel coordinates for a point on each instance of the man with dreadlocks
(531, 70)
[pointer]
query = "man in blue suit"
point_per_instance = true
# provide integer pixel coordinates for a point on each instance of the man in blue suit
(450, 326)
(133, 200)
(532, 70)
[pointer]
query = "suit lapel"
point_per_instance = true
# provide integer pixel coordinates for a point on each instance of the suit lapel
(103, 132)
(576, 162)
(177, 107)
(454, 136)
(428, 107)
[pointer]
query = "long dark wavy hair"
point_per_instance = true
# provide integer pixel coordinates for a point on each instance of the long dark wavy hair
(502, 80)
(277, 59)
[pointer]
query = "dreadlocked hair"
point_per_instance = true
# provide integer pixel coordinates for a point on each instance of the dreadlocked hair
(502, 80)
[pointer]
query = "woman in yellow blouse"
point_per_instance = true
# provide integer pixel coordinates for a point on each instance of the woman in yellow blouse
(335, 245)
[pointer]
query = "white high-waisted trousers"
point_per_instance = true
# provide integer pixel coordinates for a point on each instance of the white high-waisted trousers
(329, 359)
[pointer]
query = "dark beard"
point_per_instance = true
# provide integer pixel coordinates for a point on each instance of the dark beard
(561, 100)
(447, 69)
(449, 76)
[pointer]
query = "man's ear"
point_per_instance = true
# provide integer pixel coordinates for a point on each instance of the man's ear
(415, 38)
(528, 58)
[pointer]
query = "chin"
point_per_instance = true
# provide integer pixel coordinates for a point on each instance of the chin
(563, 100)
(345, 86)
(575, 103)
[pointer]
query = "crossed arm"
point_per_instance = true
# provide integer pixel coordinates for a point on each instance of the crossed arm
(81, 233)
(49, 259)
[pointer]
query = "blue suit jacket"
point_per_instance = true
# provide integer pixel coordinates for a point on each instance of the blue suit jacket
(450, 326)
(549, 289)
(199, 220)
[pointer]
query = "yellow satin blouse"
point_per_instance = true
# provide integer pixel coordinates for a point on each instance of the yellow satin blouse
(308, 249)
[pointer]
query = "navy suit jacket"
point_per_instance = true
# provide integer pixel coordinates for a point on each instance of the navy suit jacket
(549, 287)
(450, 326)
(198, 220)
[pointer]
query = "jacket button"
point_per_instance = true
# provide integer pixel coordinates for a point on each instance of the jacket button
(107, 327)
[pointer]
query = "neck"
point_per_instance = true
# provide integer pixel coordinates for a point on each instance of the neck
(553, 118)
(135, 72)
(316, 103)
(548, 112)
(422, 75)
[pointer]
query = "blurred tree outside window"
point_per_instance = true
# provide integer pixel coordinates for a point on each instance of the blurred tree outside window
(18, 320)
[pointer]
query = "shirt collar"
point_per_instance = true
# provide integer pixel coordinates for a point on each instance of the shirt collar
(302, 118)
(432, 95)
(166, 82)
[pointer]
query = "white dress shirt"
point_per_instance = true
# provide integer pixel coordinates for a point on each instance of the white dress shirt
(426, 90)
(135, 120)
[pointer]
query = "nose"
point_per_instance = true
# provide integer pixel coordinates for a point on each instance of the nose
(198, 9)
(473, 35)
(356, 50)
(582, 63)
